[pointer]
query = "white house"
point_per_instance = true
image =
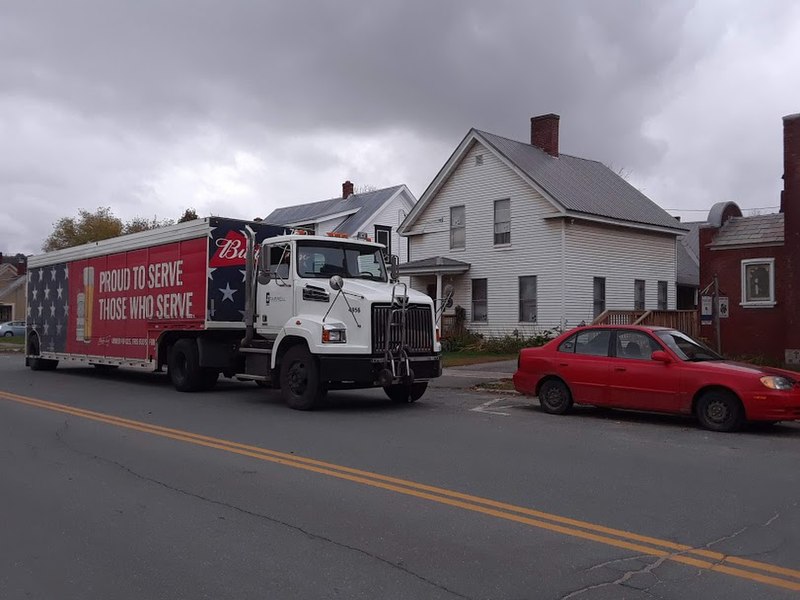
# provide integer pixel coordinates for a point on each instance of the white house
(532, 239)
(377, 213)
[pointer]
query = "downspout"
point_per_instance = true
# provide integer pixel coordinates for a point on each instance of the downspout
(563, 273)
(249, 296)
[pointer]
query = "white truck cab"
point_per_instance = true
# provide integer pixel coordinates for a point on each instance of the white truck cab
(334, 317)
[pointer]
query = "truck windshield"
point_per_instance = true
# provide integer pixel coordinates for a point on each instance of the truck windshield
(321, 260)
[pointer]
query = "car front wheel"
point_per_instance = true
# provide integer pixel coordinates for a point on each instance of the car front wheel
(555, 397)
(720, 411)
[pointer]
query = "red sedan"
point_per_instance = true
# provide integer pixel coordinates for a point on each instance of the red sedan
(654, 369)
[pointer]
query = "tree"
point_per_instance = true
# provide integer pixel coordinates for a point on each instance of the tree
(87, 227)
(94, 226)
(189, 214)
(137, 224)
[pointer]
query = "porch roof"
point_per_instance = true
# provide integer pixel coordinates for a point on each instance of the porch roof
(434, 265)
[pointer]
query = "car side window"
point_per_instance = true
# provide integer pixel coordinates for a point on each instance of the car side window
(635, 344)
(593, 343)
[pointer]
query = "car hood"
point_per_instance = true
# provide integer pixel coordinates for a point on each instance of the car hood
(731, 366)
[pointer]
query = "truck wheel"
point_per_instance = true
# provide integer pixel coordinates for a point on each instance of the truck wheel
(402, 392)
(301, 388)
(184, 366)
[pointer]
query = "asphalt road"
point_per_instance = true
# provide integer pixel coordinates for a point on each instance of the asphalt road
(115, 486)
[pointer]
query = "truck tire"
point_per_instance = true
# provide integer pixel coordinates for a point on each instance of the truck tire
(184, 366)
(301, 387)
(403, 392)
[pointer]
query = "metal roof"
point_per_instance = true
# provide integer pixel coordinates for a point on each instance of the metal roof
(688, 255)
(360, 206)
(581, 185)
(750, 231)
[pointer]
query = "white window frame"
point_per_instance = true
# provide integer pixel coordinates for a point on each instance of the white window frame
(502, 224)
(458, 226)
(769, 263)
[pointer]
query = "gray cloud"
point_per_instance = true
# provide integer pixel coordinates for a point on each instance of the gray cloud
(114, 102)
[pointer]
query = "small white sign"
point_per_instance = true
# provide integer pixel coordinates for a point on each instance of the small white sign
(706, 306)
(723, 307)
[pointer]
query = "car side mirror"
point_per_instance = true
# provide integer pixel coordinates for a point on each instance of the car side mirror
(660, 356)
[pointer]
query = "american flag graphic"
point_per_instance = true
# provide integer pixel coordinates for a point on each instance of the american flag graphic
(48, 310)
(226, 266)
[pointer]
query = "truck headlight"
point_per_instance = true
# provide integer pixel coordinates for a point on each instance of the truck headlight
(775, 382)
(333, 335)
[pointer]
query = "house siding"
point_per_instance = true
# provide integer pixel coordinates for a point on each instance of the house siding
(563, 255)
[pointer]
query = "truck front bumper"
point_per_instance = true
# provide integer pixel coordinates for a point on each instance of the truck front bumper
(362, 371)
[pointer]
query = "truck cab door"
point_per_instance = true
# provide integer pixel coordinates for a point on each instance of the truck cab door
(275, 300)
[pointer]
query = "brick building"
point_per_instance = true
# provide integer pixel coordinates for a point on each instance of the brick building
(756, 262)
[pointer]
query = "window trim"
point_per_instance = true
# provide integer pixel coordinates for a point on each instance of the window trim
(663, 299)
(495, 222)
(639, 299)
(484, 300)
(462, 226)
(595, 299)
(388, 230)
(749, 262)
(534, 300)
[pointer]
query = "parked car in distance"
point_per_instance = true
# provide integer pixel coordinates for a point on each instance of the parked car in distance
(11, 328)
(654, 369)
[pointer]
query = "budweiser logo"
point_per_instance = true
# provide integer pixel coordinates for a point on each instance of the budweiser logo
(231, 250)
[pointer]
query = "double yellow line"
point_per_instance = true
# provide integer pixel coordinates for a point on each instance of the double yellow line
(701, 558)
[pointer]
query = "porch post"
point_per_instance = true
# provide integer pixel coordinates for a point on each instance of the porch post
(438, 290)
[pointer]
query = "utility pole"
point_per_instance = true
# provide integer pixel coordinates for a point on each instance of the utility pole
(716, 313)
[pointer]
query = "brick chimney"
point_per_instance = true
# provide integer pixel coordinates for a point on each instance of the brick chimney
(544, 133)
(790, 196)
(347, 189)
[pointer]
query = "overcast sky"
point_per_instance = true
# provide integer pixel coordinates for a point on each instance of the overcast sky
(238, 107)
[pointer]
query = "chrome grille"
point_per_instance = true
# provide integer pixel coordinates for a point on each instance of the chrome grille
(419, 328)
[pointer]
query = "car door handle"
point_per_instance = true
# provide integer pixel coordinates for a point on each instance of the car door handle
(620, 369)
(563, 364)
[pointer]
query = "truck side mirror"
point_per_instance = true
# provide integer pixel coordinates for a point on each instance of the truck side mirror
(394, 268)
(264, 275)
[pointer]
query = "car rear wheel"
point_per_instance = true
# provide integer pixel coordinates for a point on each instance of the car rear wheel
(8, 334)
(720, 411)
(555, 397)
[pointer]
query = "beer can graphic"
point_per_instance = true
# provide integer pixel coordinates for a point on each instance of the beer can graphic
(88, 290)
(80, 315)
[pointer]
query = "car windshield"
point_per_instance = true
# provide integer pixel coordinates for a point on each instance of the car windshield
(685, 347)
(321, 260)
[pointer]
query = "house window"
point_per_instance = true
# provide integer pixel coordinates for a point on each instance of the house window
(383, 235)
(527, 299)
(599, 296)
(638, 294)
(502, 222)
(662, 295)
(458, 227)
(758, 282)
(479, 311)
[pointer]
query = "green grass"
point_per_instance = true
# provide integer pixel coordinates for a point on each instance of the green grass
(17, 340)
(460, 359)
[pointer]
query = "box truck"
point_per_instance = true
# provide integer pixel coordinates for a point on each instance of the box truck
(245, 300)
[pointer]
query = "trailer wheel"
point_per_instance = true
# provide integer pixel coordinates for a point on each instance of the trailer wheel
(403, 392)
(301, 388)
(184, 366)
(36, 363)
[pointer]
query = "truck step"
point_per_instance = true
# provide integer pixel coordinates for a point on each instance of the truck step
(255, 350)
